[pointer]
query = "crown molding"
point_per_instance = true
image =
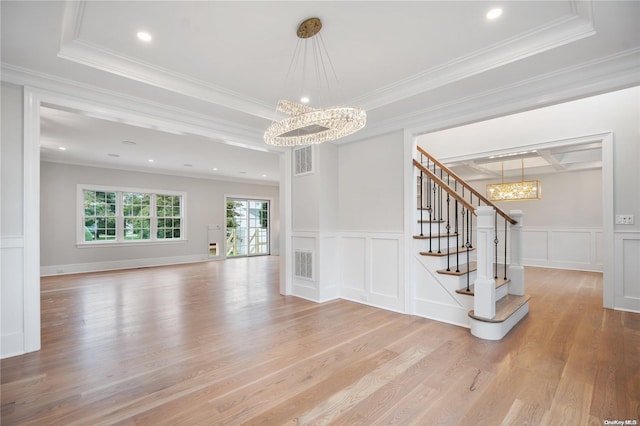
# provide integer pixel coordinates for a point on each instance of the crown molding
(113, 106)
(556, 33)
(74, 49)
(564, 30)
(590, 78)
(178, 173)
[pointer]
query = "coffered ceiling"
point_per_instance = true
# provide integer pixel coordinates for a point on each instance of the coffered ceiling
(214, 70)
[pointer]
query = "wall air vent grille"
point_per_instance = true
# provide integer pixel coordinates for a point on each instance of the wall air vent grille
(304, 264)
(303, 160)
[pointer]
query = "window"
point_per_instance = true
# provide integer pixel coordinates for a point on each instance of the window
(99, 215)
(247, 227)
(124, 215)
(169, 217)
(137, 215)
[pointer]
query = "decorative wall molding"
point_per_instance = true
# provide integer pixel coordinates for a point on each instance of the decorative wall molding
(554, 34)
(109, 105)
(610, 73)
(79, 268)
(564, 248)
(13, 336)
(11, 241)
(372, 269)
(12, 345)
(627, 271)
(364, 267)
(73, 48)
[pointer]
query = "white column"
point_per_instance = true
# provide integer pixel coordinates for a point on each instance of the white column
(484, 301)
(516, 270)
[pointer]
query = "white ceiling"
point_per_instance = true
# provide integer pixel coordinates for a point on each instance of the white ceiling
(525, 164)
(215, 70)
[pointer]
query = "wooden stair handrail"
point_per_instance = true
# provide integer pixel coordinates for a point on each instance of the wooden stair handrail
(465, 184)
(444, 186)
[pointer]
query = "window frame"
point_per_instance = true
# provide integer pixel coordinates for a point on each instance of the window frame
(120, 218)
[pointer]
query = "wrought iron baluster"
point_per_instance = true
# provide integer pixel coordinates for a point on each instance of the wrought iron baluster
(468, 246)
(440, 215)
(462, 222)
(421, 204)
(470, 225)
(448, 232)
(495, 243)
(505, 249)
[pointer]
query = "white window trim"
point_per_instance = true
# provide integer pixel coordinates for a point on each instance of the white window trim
(120, 241)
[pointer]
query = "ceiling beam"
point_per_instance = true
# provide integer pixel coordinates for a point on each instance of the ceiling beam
(553, 161)
(478, 168)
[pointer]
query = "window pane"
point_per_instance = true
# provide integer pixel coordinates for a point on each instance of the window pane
(99, 215)
(168, 212)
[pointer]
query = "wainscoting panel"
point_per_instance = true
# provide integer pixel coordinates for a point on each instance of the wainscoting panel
(535, 246)
(305, 286)
(570, 247)
(12, 257)
(353, 264)
(329, 279)
(627, 271)
(563, 248)
(371, 269)
(385, 271)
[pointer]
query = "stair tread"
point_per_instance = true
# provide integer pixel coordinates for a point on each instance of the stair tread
(499, 283)
(463, 269)
(431, 221)
(445, 252)
(426, 236)
(505, 307)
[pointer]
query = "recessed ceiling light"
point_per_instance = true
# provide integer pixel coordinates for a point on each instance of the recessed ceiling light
(188, 165)
(243, 173)
(215, 169)
(128, 142)
(62, 148)
(264, 175)
(151, 160)
(144, 36)
(304, 99)
(494, 13)
(114, 155)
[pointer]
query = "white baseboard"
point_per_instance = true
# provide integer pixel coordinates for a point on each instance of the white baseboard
(12, 345)
(80, 268)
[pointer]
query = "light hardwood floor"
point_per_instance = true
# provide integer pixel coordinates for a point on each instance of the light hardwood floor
(214, 343)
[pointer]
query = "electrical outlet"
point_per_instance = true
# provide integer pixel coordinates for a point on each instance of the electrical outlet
(624, 219)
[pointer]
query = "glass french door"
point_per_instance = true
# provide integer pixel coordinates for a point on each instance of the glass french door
(247, 227)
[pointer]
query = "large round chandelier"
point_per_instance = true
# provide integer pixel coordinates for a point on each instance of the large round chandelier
(308, 125)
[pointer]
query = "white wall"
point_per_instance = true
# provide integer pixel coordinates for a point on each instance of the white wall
(564, 228)
(371, 209)
(205, 206)
(11, 223)
(371, 184)
(617, 113)
(314, 222)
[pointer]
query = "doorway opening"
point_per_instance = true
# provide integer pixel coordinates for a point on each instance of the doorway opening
(247, 227)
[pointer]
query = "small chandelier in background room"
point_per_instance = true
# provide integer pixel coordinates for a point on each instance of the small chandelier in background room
(308, 125)
(514, 191)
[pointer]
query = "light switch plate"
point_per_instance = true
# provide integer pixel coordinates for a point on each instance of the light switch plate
(624, 219)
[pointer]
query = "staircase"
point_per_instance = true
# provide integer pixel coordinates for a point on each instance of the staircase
(467, 263)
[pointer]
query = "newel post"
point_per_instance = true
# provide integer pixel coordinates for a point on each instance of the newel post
(516, 270)
(484, 301)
